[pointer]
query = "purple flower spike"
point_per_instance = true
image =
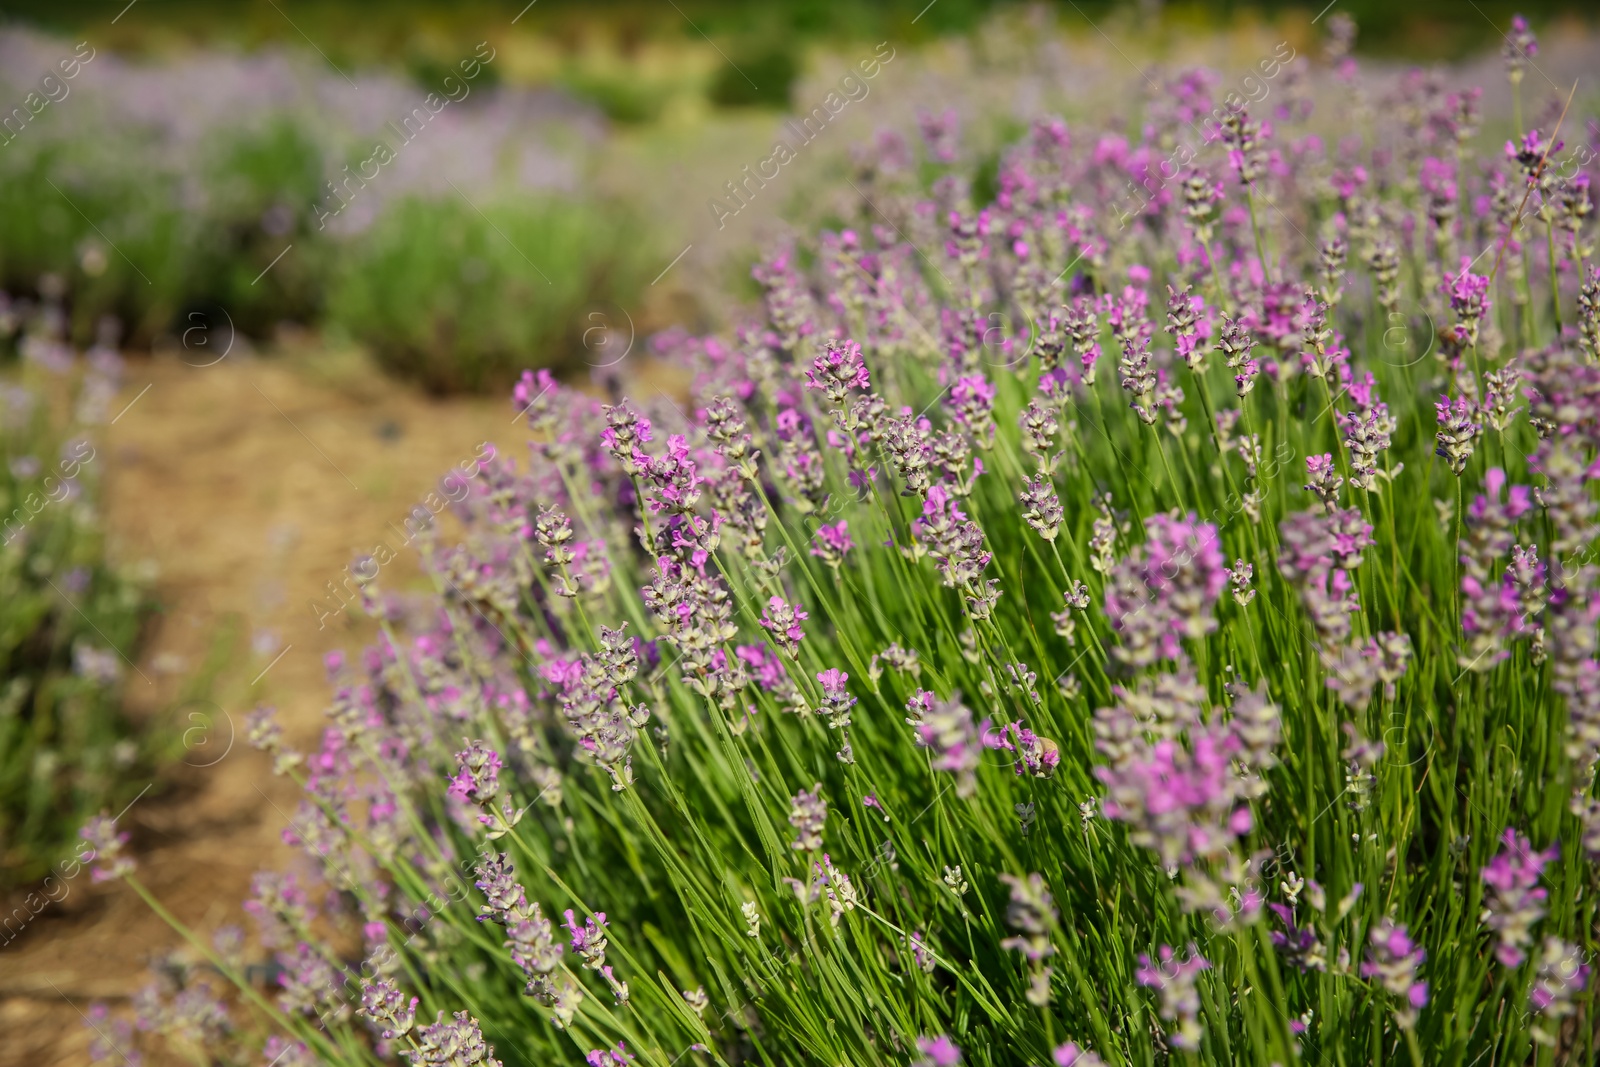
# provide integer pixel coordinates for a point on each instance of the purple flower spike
(1560, 977)
(836, 699)
(972, 407)
(784, 622)
(609, 1057)
(1070, 1055)
(588, 940)
(477, 782)
(1165, 589)
(107, 844)
(1516, 901)
(832, 542)
(838, 370)
(478, 779)
(1393, 959)
(1175, 982)
(938, 1051)
(1457, 432)
(808, 813)
(1519, 47)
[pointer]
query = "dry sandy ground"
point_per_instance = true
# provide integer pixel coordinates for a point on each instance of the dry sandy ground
(250, 484)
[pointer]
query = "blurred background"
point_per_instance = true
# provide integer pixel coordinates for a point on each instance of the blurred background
(268, 268)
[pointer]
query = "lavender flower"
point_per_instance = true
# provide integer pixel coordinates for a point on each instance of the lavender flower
(1165, 589)
(1041, 508)
(1180, 802)
(1360, 757)
(1457, 431)
(1383, 258)
(783, 622)
(1469, 299)
(1070, 1055)
(836, 699)
(116, 1046)
(456, 1043)
(1103, 537)
(106, 845)
(1367, 431)
(830, 543)
(946, 729)
(1516, 901)
(625, 430)
(971, 405)
(279, 906)
(618, 658)
(727, 431)
(310, 983)
(608, 1057)
(588, 940)
(904, 660)
(1138, 376)
(1494, 609)
(1320, 355)
(553, 530)
(1239, 577)
(1032, 913)
(1324, 483)
(1039, 428)
(938, 1051)
(1520, 46)
(673, 479)
(1176, 984)
(954, 541)
(1243, 138)
(1036, 756)
(808, 812)
(1200, 197)
(477, 782)
(1500, 390)
(1235, 344)
(1298, 945)
(263, 732)
(1393, 959)
(529, 936)
(1589, 313)
(1082, 324)
(838, 370)
(908, 440)
(387, 1007)
(1257, 723)
(1332, 254)
(921, 955)
(1188, 324)
(1561, 976)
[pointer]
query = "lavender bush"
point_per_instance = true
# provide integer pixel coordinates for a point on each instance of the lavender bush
(1051, 633)
(67, 615)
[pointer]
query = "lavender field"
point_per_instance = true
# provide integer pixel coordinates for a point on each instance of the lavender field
(1055, 544)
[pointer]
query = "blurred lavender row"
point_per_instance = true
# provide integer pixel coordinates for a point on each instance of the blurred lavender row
(450, 228)
(173, 118)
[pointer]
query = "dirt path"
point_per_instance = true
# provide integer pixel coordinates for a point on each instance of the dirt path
(250, 484)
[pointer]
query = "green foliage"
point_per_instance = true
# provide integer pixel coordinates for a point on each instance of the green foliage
(758, 76)
(456, 299)
(110, 227)
(621, 94)
(258, 183)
